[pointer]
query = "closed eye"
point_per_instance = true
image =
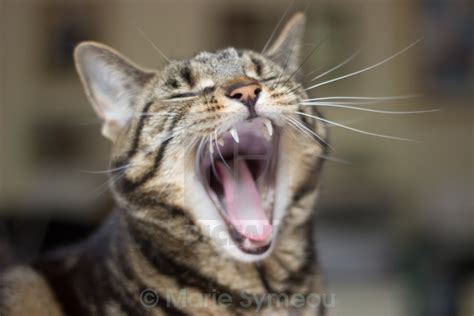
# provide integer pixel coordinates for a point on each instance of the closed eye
(268, 79)
(192, 94)
(184, 95)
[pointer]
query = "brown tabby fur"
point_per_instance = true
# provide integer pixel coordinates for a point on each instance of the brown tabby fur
(152, 240)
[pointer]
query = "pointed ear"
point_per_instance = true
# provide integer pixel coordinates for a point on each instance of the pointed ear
(286, 50)
(111, 82)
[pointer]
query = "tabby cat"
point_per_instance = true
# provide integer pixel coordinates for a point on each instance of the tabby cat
(215, 186)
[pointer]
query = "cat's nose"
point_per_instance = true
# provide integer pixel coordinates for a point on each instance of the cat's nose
(246, 91)
(247, 94)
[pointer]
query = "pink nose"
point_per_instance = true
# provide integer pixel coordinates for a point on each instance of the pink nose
(246, 90)
(246, 93)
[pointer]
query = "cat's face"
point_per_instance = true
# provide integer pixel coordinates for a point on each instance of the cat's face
(210, 141)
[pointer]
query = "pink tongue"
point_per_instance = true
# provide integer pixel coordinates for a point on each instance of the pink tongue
(243, 203)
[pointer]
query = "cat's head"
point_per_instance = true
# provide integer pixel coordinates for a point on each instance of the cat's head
(212, 140)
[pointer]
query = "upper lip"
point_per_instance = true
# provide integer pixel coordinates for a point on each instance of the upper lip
(254, 141)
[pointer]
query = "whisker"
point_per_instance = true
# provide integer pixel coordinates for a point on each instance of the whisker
(325, 157)
(300, 130)
(353, 129)
(348, 60)
(153, 44)
(367, 68)
(287, 60)
(272, 35)
(283, 71)
(291, 90)
(312, 72)
(107, 184)
(367, 110)
(334, 159)
(343, 102)
(307, 58)
(302, 126)
(397, 97)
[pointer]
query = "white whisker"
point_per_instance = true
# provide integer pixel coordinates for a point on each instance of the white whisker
(353, 129)
(277, 26)
(153, 45)
(107, 184)
(341, 106)
(312, 72)
(299, 129)
(305, 133)
(303, 127)
(305, 60)
(365, 69)
(348, 60)
(397, 97)
(334, 159)
(343, 102)
(283, 71)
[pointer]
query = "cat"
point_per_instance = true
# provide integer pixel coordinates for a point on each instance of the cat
(215, 186)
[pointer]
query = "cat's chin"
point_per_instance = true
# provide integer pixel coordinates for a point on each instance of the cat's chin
(238, 172)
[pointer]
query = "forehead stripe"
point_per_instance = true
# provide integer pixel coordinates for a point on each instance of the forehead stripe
(258, 66)
(138, 131)
(173, 83)
(187, 76)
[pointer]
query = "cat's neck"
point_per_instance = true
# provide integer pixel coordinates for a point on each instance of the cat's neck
(123, 259)
(200, 263)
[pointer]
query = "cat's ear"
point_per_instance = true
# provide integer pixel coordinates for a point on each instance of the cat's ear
(111, 82)
(286, 50)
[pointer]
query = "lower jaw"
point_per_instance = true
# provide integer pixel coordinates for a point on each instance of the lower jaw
(246, 245)
(255, 250)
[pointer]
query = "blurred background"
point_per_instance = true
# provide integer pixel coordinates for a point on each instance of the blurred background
(396, 225)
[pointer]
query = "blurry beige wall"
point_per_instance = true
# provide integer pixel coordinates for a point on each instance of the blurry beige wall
(49, 133)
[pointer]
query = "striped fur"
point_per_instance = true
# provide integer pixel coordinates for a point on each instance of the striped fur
(155, 240)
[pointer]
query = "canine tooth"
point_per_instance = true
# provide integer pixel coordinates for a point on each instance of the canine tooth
(265, 133)
(234, 134)
(220, 141)
(268, 125)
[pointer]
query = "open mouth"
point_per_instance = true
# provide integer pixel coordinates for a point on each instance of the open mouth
(238, 171)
